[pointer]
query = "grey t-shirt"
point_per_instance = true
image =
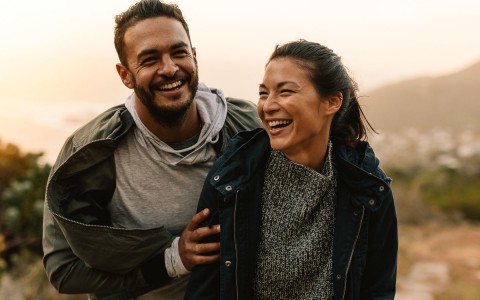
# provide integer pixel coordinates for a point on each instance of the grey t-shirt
(159, 186)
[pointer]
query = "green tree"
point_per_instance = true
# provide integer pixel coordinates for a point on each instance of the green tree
(22, 188)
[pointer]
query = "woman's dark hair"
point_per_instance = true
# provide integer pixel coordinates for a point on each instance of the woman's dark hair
(329, 76)
(142, 10)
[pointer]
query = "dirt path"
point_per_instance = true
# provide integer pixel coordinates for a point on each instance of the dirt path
(424, 281)
(439, 261)
(10, 289)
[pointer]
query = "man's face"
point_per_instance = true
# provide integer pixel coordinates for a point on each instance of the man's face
(162, 68)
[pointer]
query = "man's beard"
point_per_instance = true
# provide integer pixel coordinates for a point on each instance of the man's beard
(167, 116)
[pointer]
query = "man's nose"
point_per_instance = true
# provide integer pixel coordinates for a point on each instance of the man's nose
(168, 68)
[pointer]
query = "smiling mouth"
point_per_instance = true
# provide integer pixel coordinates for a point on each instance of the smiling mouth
(170, 86)
(279, 124)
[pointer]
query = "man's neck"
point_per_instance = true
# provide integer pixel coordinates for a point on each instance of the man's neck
(190, 126)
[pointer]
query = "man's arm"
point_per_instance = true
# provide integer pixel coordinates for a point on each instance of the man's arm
(68, 274)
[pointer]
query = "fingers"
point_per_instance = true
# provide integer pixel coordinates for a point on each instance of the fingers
(199, 254)
(204, 260)
(197, 219)
(191, 251)
(203, 232)
(202, 249)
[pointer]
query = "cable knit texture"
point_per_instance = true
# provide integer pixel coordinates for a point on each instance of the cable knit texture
(295, 251)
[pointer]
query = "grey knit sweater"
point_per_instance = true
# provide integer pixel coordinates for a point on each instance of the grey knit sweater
(295, 250)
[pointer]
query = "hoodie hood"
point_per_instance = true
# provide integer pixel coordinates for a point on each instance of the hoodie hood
(212, 108)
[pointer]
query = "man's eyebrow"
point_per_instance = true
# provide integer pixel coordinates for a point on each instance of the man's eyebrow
(154, 51)
(179, 45)
(146, 52)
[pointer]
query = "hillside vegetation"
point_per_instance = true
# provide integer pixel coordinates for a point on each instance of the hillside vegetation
(429, 141)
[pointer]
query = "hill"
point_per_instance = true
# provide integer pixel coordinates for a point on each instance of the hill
(447, 102)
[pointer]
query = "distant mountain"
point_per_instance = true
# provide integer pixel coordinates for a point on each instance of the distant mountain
(449, 102)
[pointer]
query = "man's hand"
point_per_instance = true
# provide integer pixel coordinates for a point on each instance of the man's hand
(191, 252)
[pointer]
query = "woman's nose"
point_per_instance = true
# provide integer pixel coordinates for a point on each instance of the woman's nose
(270, 104)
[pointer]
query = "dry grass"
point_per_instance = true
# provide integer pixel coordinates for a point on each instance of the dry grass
(453, 244)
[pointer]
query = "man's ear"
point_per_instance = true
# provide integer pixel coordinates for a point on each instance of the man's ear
(334, 103)
(194, 52)
(125, 76)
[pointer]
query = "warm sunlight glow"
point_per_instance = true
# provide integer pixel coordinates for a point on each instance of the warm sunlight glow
(58, 59)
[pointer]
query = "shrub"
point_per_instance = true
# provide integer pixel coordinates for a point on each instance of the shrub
(453, 192)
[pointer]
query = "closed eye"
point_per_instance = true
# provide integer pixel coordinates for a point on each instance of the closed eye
(149, 60)
(180, 53)
(263, 95)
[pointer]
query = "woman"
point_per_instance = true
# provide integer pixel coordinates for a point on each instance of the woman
(305, 211)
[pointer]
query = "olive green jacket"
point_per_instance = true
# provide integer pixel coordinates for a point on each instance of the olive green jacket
(83, 252)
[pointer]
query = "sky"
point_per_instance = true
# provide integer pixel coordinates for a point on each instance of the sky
(57, 59)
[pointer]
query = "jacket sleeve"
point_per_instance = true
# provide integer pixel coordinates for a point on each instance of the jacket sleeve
(379, 280)
(242, 116)
(70, 275)
(204, 282)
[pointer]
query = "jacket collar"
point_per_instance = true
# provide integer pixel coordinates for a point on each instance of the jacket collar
(245, 155)
(248, 152)
(359, 170)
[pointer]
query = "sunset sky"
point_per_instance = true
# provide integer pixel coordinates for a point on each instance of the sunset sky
(58, 61)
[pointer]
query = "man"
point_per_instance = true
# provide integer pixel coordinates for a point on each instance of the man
(125, 185)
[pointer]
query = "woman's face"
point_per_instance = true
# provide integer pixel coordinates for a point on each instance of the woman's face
(295, 116)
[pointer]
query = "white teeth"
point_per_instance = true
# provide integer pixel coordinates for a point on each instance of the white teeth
(170, 85)
(278, 122)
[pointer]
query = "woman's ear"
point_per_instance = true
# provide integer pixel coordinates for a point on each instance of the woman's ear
(125, 76)
(334, 103)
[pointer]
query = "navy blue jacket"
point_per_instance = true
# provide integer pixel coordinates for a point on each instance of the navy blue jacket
(365, 235)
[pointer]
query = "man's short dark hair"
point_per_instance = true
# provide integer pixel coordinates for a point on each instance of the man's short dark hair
(142, 10)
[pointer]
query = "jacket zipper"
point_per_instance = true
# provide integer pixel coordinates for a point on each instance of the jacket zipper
(235, 242)
(351, 254)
